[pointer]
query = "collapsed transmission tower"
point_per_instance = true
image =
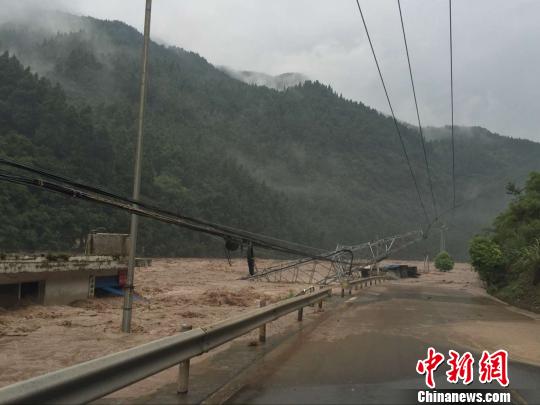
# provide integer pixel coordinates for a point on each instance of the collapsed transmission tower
(347, 262)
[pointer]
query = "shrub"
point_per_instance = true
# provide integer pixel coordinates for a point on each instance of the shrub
(444, 262)
(487, 259)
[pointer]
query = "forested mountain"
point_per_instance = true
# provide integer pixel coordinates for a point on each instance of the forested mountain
(303, 164)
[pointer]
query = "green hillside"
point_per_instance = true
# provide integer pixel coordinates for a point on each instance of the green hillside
(303, 164)
(507, 258)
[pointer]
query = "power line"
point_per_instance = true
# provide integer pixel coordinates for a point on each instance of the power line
(405, 154)
(58, 184)
(82, 186)
(452, 107)
(61, 185)
(418, 113)
(149, 213)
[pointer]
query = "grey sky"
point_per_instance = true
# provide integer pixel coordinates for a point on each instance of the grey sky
(496, 49)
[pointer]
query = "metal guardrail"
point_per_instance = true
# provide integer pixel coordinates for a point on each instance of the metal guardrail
(366, 280)
(350, 284)
(94, 379)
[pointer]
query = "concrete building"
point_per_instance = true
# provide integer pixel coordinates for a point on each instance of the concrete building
(54, 280)
(62, 279)
(108, 244)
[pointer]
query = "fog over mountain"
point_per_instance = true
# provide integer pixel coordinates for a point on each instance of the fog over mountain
(279, 82)
(495, 49)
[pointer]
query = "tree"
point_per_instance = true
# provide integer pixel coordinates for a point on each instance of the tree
(444, 262)
(508, 258)
(512, 189)
(487, 259)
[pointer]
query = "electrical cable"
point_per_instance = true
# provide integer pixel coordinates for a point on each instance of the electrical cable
(422, 138)
(404, 149)
(452, 107)
(88, 193)
(73, 183)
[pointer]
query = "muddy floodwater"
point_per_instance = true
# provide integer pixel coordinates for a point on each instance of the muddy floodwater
(36, 339)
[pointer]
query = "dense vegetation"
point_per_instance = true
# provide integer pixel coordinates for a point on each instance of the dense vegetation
(508, 257)
(40, 127)
(303, 164)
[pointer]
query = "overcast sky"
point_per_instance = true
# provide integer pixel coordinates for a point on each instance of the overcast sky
(496, 49)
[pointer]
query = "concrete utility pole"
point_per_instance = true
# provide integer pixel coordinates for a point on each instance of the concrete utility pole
(128, 288)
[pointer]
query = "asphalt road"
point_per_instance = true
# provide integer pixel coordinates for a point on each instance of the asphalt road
(367, 351)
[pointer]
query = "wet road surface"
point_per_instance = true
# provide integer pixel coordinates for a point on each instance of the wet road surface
(362, 349)
(367, 351)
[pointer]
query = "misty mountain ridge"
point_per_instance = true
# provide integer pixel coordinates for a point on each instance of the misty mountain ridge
(280, 82)
(303, 163)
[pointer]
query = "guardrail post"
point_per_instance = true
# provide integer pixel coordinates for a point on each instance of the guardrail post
(321, 301)
(300, 314)
(262, 328)
(183, 370)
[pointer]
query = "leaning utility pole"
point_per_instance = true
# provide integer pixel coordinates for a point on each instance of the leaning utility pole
(128, 288)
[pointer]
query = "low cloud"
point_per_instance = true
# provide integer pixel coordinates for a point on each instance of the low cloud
(496, 59)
